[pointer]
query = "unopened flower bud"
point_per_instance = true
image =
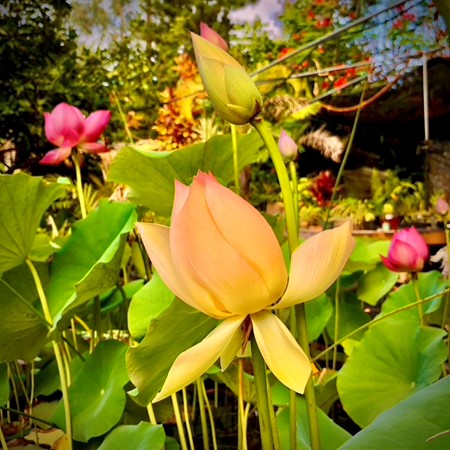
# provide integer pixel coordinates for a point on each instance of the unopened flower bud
(288, 147)
(230, 89)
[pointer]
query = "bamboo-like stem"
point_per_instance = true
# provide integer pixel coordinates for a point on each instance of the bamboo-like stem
(237, 185)
(292, 229)
(201, 407)
(380, 319)
(294, 183)
(210, 416)
(79, 183)
(151, 414)
(187, 420)
(122, 116)
(336, 321)
(414, 281)
(3, 440)
(262, 399)
(179, 421)
(57, 351)
(242, 436)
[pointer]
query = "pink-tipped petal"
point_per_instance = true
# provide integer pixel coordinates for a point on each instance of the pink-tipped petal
(56, 157)
(194, 362)
(212, 36)
(280, 351)
(156, 241)
(93, 147)
(221, 243)
(95, 125)
(316, 264)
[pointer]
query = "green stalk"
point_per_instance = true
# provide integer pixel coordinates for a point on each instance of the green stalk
(336, 321)
(210, 416)
(242, 437)
(291, 224)
(122, 116)
(179, 421)
(262, 399)
(201, 407)
(294, 183)
(57, 351)
(414, 279)
(378, 320)
(79, 181)
(237, 185)
(187, 420)
(3, 440)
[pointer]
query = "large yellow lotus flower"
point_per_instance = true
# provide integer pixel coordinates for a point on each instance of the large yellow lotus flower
(221, 257)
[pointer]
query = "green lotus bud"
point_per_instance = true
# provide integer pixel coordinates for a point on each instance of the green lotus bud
(230, 89)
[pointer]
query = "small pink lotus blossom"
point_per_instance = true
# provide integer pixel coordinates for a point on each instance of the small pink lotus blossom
(408, 252)
(212, 36)
(67, 127)
(288, 147)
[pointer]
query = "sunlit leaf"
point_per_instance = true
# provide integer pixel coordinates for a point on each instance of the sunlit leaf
(97, 395)
(392, 361)
(22, 332)
(4, 384)
(151, 175)
(147, 304)
(428, 284)
(89, 262)
(143, 436)
(375, 284)
(415, 423)
(23, 202)
(176, 329)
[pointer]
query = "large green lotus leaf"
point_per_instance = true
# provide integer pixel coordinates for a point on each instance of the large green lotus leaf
(351, 317)
(318, 313)
(143, 436)
(147, 304)
(97, 395)
(375, 284)
(151, 175)
(176, 329)
(392, 361)
(22, 331)
(366, 254)
(421, 422)
(89, 262)
(23, 202)
(332, 436)
(430, 283)
(4, 384)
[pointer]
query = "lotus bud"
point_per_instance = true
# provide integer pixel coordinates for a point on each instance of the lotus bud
(288, 147)
(230, 89)
(442, 207)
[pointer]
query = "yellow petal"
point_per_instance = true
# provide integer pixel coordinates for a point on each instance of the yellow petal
(194, 362)
(280, 351)
(316, 264)
(223, 244)
(233, 347)
(156, 241)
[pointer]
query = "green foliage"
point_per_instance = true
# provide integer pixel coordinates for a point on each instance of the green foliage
(393, 360)
(421, 422)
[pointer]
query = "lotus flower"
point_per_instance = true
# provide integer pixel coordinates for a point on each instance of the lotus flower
(66, 127)
(230, 89)
(287, 146)
(212, 36)
(222, 258)
(408, 252)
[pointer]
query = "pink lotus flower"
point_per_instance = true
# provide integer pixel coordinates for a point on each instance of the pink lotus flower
(222, 258)
(212, 36)
(408, 252)
(67, 127)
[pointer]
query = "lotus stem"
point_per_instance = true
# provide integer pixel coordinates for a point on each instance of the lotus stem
(79, 181)
(237, 185)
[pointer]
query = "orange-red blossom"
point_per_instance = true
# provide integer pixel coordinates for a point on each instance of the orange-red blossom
(221, 257)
